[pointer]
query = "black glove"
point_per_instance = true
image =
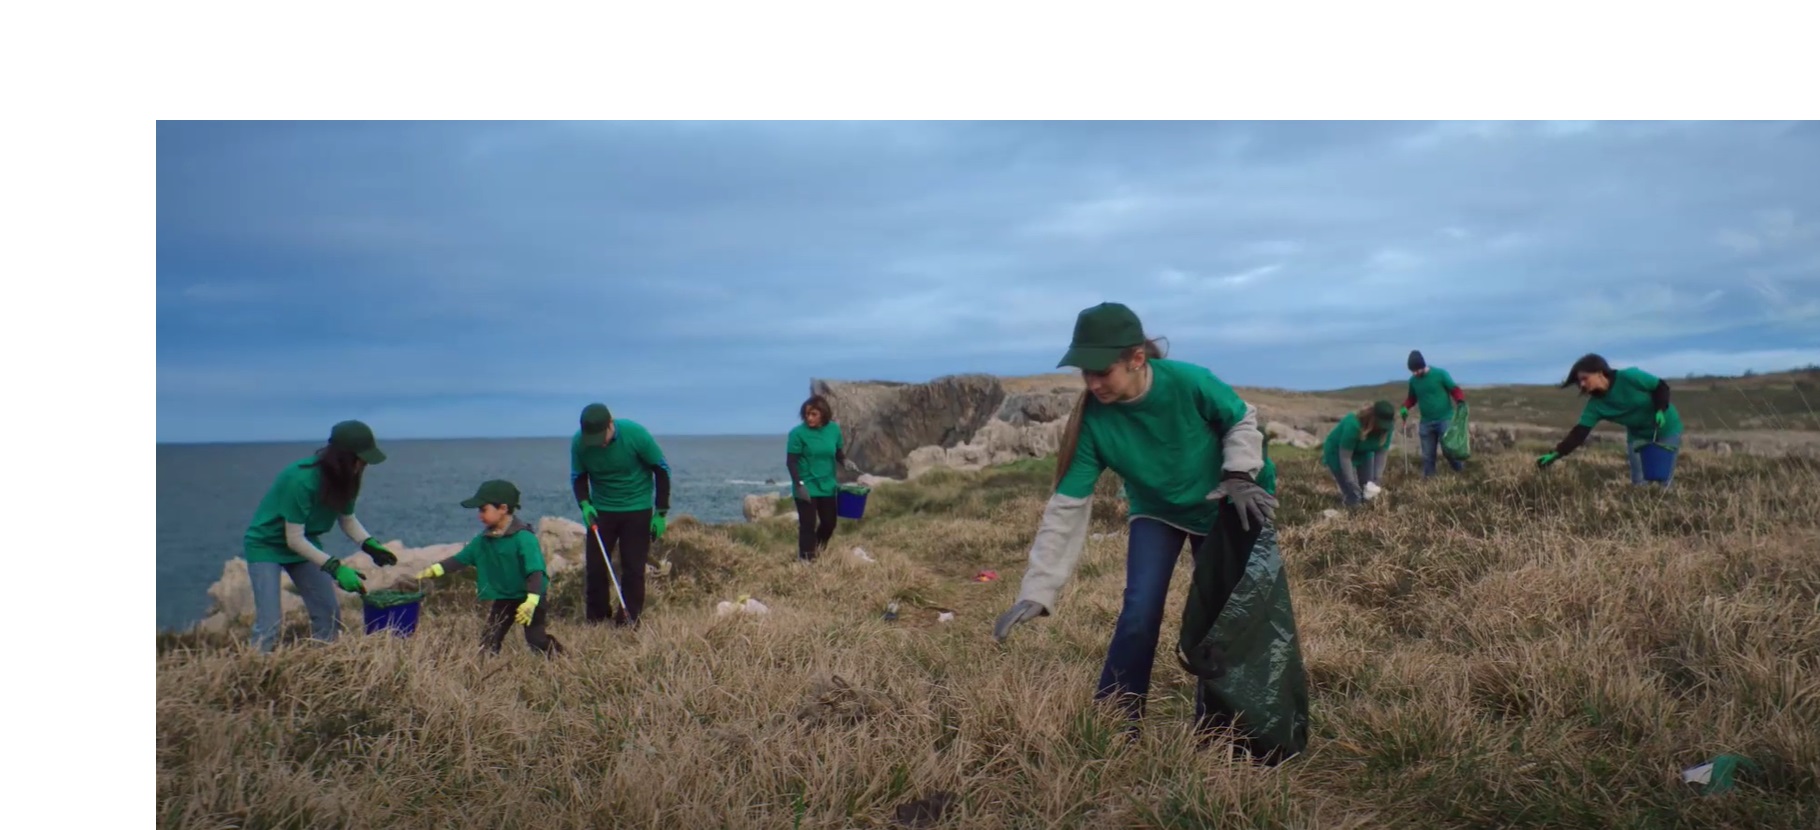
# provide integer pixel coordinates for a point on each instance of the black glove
(381, 557)
(1250, 499)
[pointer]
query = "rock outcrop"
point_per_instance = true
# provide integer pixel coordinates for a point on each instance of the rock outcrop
(901, 430)
(883, 422)
(759, 506)
(1282, 433)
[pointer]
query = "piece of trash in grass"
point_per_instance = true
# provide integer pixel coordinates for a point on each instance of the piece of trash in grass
(862, 555)
(1372, 490)
(890, 612)
(1330, 513)
(946, 616)
(744, 604)
(985, 576)
(662, 568)
(1717, 775)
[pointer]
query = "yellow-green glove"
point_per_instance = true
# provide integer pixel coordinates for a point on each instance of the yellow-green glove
(526, 609)
(658, 523)
(430, 572)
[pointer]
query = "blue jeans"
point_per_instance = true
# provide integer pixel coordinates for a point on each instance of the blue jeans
(1365, 471)
(1431, 440)
(1150, 555)
(316, 588)
(1636, 459)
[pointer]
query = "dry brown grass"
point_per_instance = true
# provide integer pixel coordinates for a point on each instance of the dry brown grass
(1507, 648)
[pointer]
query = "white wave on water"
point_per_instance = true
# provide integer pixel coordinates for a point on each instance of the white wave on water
(754, 483)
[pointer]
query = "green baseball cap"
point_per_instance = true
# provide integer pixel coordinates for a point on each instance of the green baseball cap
(1383, 411)
(496, 491)
(357, 438)
(595, 421)
(1101, 334)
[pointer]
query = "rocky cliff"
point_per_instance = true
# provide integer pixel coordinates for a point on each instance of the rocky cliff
(900, 429)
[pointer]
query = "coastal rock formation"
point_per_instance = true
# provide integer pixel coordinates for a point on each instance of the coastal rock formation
(960, 421)
(883, 421)
(759, 506)
(1282, 433)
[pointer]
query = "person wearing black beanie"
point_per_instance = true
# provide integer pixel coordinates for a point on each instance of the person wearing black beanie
(1433, 391)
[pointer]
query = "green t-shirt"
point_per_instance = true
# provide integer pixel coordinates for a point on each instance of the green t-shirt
(1431, 391)
(1349, 435)
(1628, 404)
(817, 448)
(503, 563)
(295, 496)
(620, 473)
(1166, 446)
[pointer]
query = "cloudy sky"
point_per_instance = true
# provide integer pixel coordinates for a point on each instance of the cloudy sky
(456, 279)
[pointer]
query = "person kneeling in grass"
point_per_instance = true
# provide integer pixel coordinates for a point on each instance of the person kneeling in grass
(509, 563)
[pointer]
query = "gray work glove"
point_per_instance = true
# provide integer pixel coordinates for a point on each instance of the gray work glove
(800, 493)
(1247, 496)
(1022, 610)
(850, 465)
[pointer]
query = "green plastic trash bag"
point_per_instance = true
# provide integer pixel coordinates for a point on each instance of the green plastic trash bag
(389, 599)
(1239, 640)
(1456, 442)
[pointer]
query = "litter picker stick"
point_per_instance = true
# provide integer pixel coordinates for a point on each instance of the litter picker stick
(607, 557)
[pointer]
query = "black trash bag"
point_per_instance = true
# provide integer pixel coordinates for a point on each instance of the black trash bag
(1239, 640)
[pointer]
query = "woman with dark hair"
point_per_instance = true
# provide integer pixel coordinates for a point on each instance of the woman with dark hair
(812, 454)
(285, 535)
(1355, 450)
(1195, 472)
(1631, 398)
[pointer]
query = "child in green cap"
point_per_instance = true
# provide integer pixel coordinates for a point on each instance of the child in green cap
(510, 566)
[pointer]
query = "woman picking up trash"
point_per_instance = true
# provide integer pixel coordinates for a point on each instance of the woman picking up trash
(1355, 450)
(812, 453)
(1192, 458)
(285, 535)
(1631, 398)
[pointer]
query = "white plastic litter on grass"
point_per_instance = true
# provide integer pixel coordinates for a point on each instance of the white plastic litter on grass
(862, 555)
(744, 605)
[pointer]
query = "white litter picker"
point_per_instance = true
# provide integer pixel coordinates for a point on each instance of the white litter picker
(607, 557)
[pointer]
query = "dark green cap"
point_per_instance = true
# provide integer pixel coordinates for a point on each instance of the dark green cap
(595, 421)
(496, 491)
(357, 438)
(1383, 411)
(1101, 334)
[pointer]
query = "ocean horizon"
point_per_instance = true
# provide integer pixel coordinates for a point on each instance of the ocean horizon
(207, 492)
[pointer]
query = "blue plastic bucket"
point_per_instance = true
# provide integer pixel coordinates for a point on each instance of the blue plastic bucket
(1658, 462)
(850, 502)
(400, 617)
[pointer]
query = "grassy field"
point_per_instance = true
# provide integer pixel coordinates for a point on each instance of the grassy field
(1779, 401)
(1504, 648)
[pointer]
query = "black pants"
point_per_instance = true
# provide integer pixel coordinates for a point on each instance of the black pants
(630, 532)
(500, 619)
(814, 525)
